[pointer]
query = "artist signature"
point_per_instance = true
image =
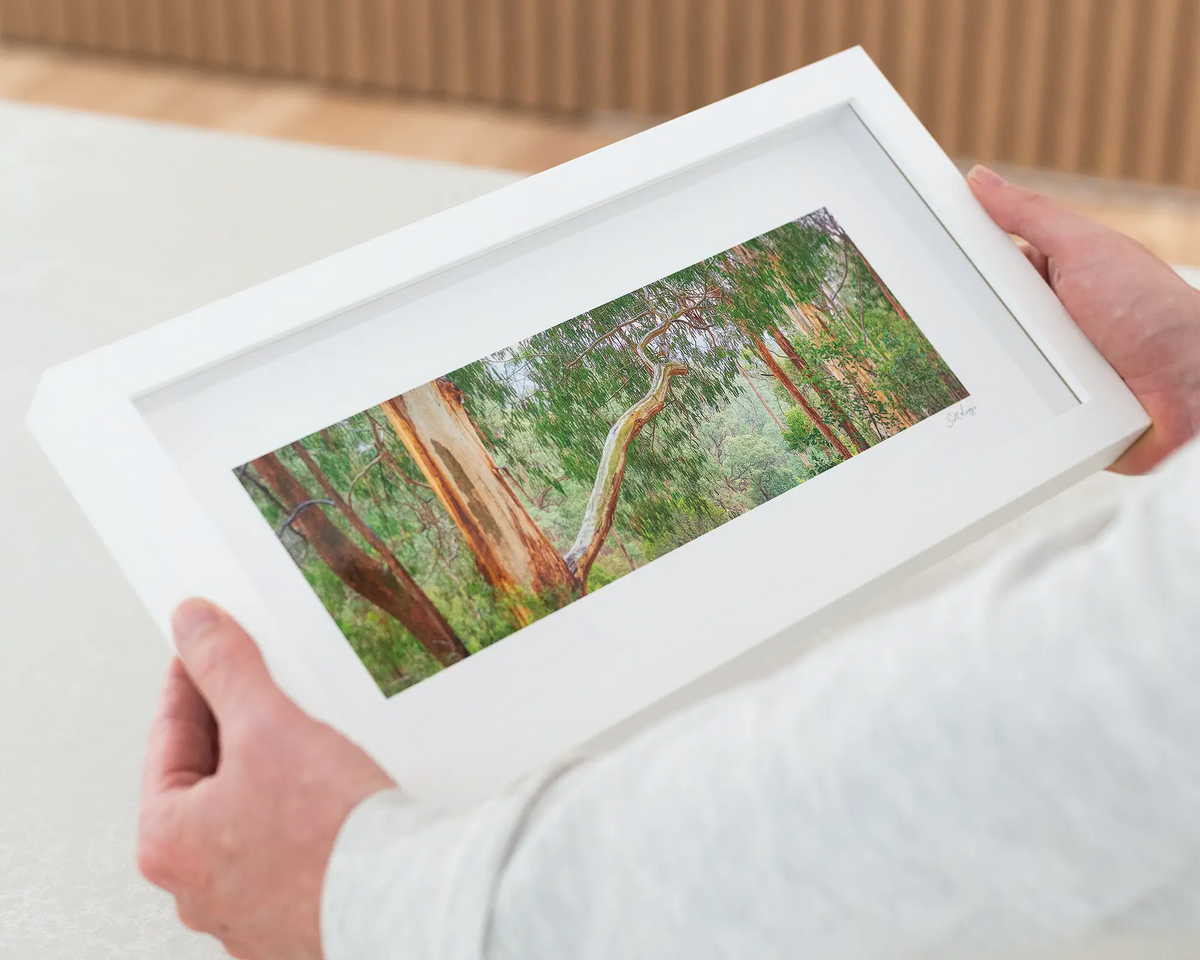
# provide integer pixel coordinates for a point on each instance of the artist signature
(961, 412)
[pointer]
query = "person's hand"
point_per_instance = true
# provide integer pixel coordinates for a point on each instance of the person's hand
(1138, 312)
(243, 795)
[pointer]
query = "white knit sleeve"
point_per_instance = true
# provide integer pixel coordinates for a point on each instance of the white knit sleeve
(1005, 768)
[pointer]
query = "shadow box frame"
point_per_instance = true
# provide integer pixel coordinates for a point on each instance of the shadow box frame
(114, 421)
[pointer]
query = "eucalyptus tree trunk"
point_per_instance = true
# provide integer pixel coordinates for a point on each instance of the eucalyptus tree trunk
(883, 287)
(861, 377)
(796, 394)
(371, 579)
(761, 399)
(801, 366)
(602, 504)
(951, 382)
(512, 552)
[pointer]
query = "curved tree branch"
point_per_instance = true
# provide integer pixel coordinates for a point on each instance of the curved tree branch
(389, 458)
(422, 617)
(358, 476)
(400, 597)
(649, 312)
(604, 336)
(295, 513)
(845, 272)
(244, 474)
(602, 504)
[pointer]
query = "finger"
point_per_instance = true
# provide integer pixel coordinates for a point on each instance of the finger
(196, 918)
(237, 950)
(1041, 263)
(183, 738)
(192, 917)
(1053, 229)
(223, 662)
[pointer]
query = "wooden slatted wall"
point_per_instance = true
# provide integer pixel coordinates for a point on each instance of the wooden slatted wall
(1107, 87)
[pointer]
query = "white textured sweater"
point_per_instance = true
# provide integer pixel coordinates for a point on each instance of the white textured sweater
(1010, 768)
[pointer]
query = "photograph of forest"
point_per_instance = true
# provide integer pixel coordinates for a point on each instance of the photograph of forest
(448, 517)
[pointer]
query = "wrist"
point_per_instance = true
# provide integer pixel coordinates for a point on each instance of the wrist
(1171, 394)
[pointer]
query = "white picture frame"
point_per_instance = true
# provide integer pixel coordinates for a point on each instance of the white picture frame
(144, 430)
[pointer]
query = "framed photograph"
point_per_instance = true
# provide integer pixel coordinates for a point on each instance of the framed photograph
(490, 487)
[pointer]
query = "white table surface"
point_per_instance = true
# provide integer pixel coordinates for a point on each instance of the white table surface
(106, 227)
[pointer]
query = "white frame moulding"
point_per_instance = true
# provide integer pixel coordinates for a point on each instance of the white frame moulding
(86, 415)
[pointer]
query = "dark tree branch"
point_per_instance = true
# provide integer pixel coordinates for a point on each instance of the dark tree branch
(358, 476)
(295, 513)
(243, 473)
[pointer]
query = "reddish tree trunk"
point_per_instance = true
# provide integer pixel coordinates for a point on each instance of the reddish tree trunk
(400, 597)
(883, 287)
(797, 395)
(512, 552)
(761, 399)
(953, 384)
(862, 377)
(822, 391)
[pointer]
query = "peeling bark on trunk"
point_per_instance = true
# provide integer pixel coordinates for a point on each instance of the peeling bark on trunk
(602, 504)
(400, 597)
(822, 391)
(511, 551)
(797, 395)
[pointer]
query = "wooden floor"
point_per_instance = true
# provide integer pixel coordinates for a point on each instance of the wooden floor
(1166, 220)
(428, 128)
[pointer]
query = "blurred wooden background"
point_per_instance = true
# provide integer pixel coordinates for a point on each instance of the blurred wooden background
(1103, 87)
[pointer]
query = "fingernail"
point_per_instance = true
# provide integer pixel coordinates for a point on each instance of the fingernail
(194, 617)
(985, 176)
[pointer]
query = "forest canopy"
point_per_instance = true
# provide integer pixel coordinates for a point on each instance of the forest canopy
(452, 515)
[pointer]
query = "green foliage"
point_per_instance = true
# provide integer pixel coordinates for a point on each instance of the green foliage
(756, 459)
(801, 432)
(802, 436)
(729, 438)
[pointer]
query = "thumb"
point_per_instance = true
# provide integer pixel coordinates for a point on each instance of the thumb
(222, 660)
(1053, 229)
